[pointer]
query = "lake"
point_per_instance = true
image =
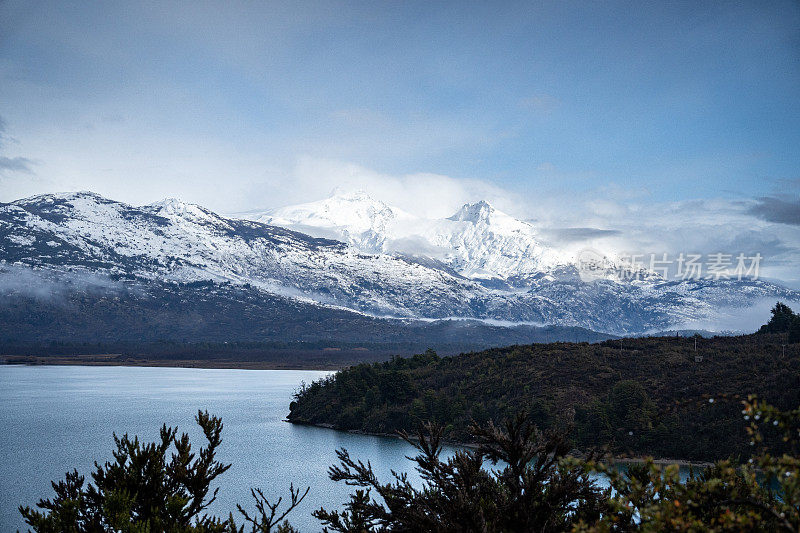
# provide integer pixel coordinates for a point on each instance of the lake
(56, 418)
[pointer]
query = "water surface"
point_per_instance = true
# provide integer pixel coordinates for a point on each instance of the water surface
(56, 418)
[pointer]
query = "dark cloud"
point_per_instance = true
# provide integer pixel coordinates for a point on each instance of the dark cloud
(751, 241)
(780, 210)
(16, 164)
(9, 165)
(578, 234)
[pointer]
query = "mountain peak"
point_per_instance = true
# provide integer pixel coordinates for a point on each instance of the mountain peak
(356, 199)
(174, 207)
(477, 212)
(354, 209)
(81, 194)
(61, 197)
(170, 203)
(353, 195)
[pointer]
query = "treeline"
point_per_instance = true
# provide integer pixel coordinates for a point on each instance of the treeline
(146, 314)
(784, 321)
(278, 354)
(666, 397)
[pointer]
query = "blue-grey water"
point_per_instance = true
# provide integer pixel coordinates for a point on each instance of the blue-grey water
(56, 418)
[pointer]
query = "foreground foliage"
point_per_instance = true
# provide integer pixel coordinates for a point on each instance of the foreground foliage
(160, 486)
(517, 480)
(533, 491)
(763, 494)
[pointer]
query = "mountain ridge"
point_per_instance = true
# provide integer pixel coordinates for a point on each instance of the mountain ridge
(176, 242)
(478, 241)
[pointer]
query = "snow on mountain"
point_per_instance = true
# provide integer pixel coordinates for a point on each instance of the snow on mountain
(184, 242)
(478, 241)
(488, 243)
(353, 217)
(176, 242)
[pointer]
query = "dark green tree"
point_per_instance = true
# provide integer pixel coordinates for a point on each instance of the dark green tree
(159, 486)
(532, 491)
(761, 495)
(794, 330)
(631, 414)
(781, 321)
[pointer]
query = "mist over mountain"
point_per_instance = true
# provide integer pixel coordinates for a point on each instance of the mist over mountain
(77, 252)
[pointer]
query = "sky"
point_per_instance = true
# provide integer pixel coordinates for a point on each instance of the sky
(669, 126)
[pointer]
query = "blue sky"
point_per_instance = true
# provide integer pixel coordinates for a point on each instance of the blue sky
(604, 109)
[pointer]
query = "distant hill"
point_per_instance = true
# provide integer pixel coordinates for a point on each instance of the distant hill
(643, 396)
(72, 314)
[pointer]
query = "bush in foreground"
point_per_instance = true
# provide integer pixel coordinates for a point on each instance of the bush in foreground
(536, 487)
(535, 490)
(160, 486)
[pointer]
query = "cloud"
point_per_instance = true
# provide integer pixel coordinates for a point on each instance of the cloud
(737, 319)
(15, 164)
(570, 235)
(774, 209)
(417, 246)
(3, 127)
(642, 226)
(423, 194)
(11, 165)
(53, 285)
(5, 138)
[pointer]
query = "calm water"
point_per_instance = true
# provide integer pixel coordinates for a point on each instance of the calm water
(56, 418)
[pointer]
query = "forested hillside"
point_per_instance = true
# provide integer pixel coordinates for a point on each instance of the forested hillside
(155, 320)
(649, 396)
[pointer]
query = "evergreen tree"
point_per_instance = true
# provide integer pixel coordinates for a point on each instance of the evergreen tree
(160, 486)
(794, 330)
(781, 321)
(533, 491)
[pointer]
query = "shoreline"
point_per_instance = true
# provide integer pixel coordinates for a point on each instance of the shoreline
(613, 460)
(115, 360)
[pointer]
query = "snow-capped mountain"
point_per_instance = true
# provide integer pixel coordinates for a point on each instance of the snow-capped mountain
(354, 218)
(180, 242)
(177, 243)
(478, 241)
